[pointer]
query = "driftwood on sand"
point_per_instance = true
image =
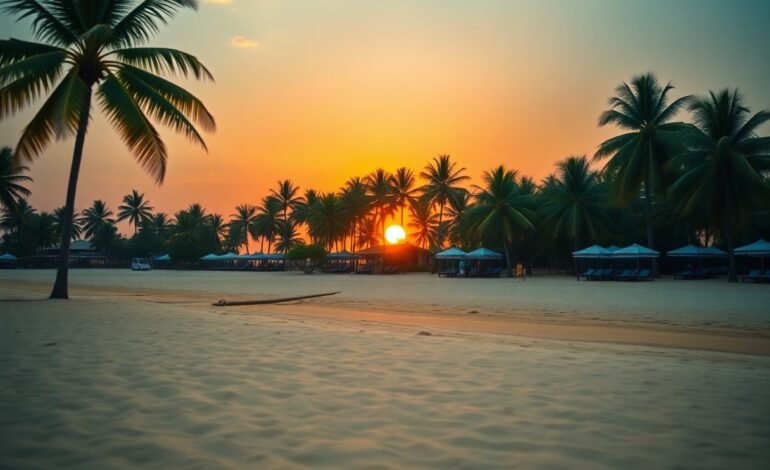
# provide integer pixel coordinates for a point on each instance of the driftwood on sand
(226, 303)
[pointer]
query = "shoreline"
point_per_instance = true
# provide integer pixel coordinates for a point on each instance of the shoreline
(436, 321)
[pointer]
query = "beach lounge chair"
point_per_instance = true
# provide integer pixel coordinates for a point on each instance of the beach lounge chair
(586, 274)
(628, 275)
(450, 272)
(643, 275)
(755, 275)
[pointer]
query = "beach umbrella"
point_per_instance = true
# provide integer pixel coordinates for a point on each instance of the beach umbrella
(7, 257)
(275, 257)
(483, 253)
(162, 258)
(452, 253)
(210, 257)
(613, 247)
(228, 257)
(593, 251)
(341, 255)
(688, 251)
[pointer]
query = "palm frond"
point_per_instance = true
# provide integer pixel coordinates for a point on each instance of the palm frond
(25, 81)
(137, 131)
(164, 61)
(145, 20)
(46, 26)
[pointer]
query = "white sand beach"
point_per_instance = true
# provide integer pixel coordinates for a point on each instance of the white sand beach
(138, 369)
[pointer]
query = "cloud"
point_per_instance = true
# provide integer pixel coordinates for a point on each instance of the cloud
(243, 41)
(221, 2)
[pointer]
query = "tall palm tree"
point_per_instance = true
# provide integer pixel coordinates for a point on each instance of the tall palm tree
(501, 211)
(244, 223)
(357, 204)
(638, 156)
(368, 232)
(160, 224)
(267, 220)
(77, 223)
(218, 227)
(96, 217)
(403, 187)
(288, 236)
(11, 179)
(574, 202)
(328, 219)
(724, 164)
(442, 179)
(286, 196)
(89, 47)
(44, 230)
(456, 223)
(378, 184)
(423, 223)
(135, 209)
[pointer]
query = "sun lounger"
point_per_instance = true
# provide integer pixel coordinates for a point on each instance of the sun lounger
(627, 275)
(451, 272)
(755, 275)
(643, 275)
(586, 274)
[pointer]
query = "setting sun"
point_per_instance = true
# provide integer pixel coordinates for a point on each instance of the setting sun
(395, 234)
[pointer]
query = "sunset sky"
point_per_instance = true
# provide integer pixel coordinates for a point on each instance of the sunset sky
(321, 90)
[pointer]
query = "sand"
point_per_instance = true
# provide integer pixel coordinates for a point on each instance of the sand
(140, 370)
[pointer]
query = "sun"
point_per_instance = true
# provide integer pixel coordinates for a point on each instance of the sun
(395, 234)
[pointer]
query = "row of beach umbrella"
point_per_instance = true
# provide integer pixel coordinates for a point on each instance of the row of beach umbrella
(759, 248)
(458, 254)
(246, 257)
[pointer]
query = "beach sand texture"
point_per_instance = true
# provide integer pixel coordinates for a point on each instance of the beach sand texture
(163, 379)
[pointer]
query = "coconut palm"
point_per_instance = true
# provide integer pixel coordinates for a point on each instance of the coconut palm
(96, 217)
(638, 156)
(357, 204)
(216, 223)
(328, 220)
(12, 220)
(77, 223)
(286, 196)
(244, 223)
(501, 211)
(403, 188)
(456, 223)
(442, 179)
(43, 230)
(723, 166)
(423, 223)
(574, 202)
(135, 209)
(88, 48)
(160, 224)
(368, 233)
(378, 184)
(267, 221)
(288, 236)
(11, 178)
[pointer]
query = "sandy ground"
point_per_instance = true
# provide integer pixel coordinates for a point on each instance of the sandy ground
(139, 370)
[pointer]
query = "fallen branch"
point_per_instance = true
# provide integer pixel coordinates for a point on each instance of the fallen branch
(225, 303)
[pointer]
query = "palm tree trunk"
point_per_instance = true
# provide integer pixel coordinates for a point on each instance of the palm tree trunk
(403, 206)
(648, 221)
(507, 259)
(246, 236)
(60, 286)
(440, 238)
(731, 274)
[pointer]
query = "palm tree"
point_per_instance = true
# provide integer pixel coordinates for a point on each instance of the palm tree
(403, 188)
(77, 223)
(328, 219)
(135, 209)
(378, 185)
(574, 202)
(244, 223)
(160, 224)
(288, 236)
(96, 217)
(218, 227)
(723, 166)
(442, 178)
(368, 232)
(357, 204)
(501, 211)
(456, 222)
(11, 179)
(12, 220)
(286, 196)
(267, 220)
(638, 156)
(44, 230)
(89, 47)
(423, 223)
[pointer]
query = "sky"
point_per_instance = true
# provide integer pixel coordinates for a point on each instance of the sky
(318, 91)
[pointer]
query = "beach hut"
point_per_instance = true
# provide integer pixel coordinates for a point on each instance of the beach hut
(759, 249)
(392, 259)
(7, 260)
(490, 257)
(340, 262)
(447, 256)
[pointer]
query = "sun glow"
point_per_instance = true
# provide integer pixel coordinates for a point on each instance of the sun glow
(395, 234)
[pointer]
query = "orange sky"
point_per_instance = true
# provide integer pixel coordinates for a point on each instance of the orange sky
(329, 89)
